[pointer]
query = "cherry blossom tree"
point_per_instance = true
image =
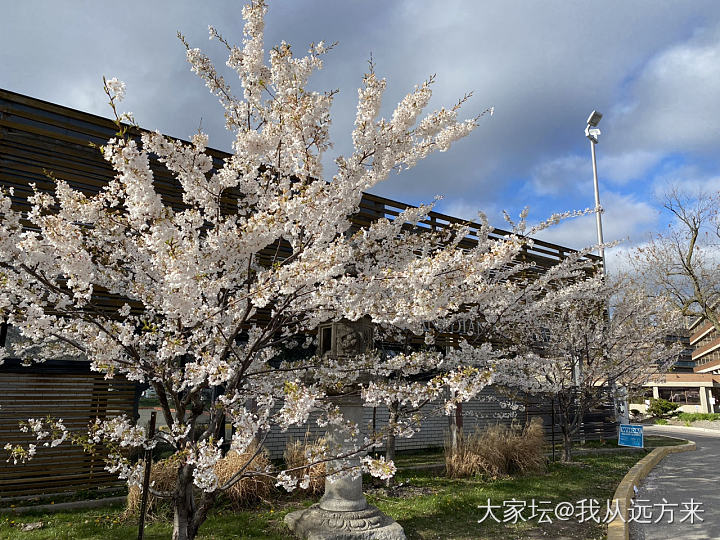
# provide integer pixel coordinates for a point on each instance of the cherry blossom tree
(608, 330)
(221, 291)
(487, 334)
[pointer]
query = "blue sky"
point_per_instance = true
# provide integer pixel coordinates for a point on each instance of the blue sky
(652, 69)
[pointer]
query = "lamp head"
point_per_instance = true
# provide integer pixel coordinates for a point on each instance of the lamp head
(594, 118)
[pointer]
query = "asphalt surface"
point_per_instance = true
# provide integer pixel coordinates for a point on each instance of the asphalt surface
(679, 479)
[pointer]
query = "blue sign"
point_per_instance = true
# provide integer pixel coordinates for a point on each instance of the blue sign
(631, 436)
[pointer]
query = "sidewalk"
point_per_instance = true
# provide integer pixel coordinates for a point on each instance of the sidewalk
(679, 479)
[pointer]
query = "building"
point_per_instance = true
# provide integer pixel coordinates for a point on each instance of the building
(685, 362)
(705, 341)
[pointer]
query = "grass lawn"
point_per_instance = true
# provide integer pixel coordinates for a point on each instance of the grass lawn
(431, 507)
(651, 441)
(415, 458)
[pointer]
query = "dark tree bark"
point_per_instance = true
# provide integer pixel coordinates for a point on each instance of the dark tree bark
(571, 404)
(455, 423)
(393, 411)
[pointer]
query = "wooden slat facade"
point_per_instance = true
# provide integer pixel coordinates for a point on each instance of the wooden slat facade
(38, 137)
(65, 390)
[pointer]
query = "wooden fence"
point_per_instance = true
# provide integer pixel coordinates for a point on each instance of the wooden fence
(598, 422)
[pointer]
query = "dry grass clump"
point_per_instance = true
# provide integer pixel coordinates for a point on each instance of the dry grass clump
(243, 493)
(164, 475)
(251, 489)
(498, 451)
(296, 455)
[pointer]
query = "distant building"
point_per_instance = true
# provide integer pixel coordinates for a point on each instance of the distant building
(705, 341)
(685, 362)
(694, 380)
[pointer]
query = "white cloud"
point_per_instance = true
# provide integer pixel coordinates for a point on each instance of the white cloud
(463, 210)
(572, 174)
(686, 178)
(623, 167)
(625, 218)
(618, 258)
(673, 103)
(561, 175)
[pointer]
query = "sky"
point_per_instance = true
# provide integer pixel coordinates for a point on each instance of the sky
(651, 68)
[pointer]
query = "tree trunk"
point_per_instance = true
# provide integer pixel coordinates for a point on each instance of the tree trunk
(390, 441)
(572, 408)
(201, 512)
(455, 421)
(567, 446)
(184, 506)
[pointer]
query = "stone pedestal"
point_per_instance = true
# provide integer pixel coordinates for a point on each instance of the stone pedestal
(343, 513)
(314, 523)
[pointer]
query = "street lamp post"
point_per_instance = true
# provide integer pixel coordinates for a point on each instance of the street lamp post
(592, 132)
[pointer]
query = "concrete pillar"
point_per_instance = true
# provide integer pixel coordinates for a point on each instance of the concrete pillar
(704, 401)
(345, 494)
(343, 513)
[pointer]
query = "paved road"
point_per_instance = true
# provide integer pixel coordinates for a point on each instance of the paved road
(679, 478)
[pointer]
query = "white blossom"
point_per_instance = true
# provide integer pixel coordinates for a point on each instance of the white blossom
(116, 88)
(379, 468)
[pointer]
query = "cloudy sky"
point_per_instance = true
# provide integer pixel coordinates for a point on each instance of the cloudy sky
(652, 68)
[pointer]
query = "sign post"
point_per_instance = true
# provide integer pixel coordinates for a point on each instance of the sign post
(631, 436)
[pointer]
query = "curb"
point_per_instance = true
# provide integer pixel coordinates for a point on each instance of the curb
(618, 528)
(59, 507)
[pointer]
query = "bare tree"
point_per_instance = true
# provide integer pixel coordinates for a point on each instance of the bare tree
(682, 262)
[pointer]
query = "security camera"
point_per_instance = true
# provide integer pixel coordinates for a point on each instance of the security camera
(592, 133)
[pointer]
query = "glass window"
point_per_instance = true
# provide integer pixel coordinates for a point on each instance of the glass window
(684, 396)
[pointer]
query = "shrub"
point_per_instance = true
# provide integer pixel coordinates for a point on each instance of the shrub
(163, 475)
(498, 451)
(661, 422)
(662, 408)
(694, 417)
(296, 455)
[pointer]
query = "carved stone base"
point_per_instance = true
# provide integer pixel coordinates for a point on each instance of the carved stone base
(314, 523)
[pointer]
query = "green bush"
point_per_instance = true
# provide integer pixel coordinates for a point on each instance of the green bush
(662, 408)
(694, 417)
(661, 422)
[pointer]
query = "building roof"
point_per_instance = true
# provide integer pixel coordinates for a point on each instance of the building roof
(688, 378)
